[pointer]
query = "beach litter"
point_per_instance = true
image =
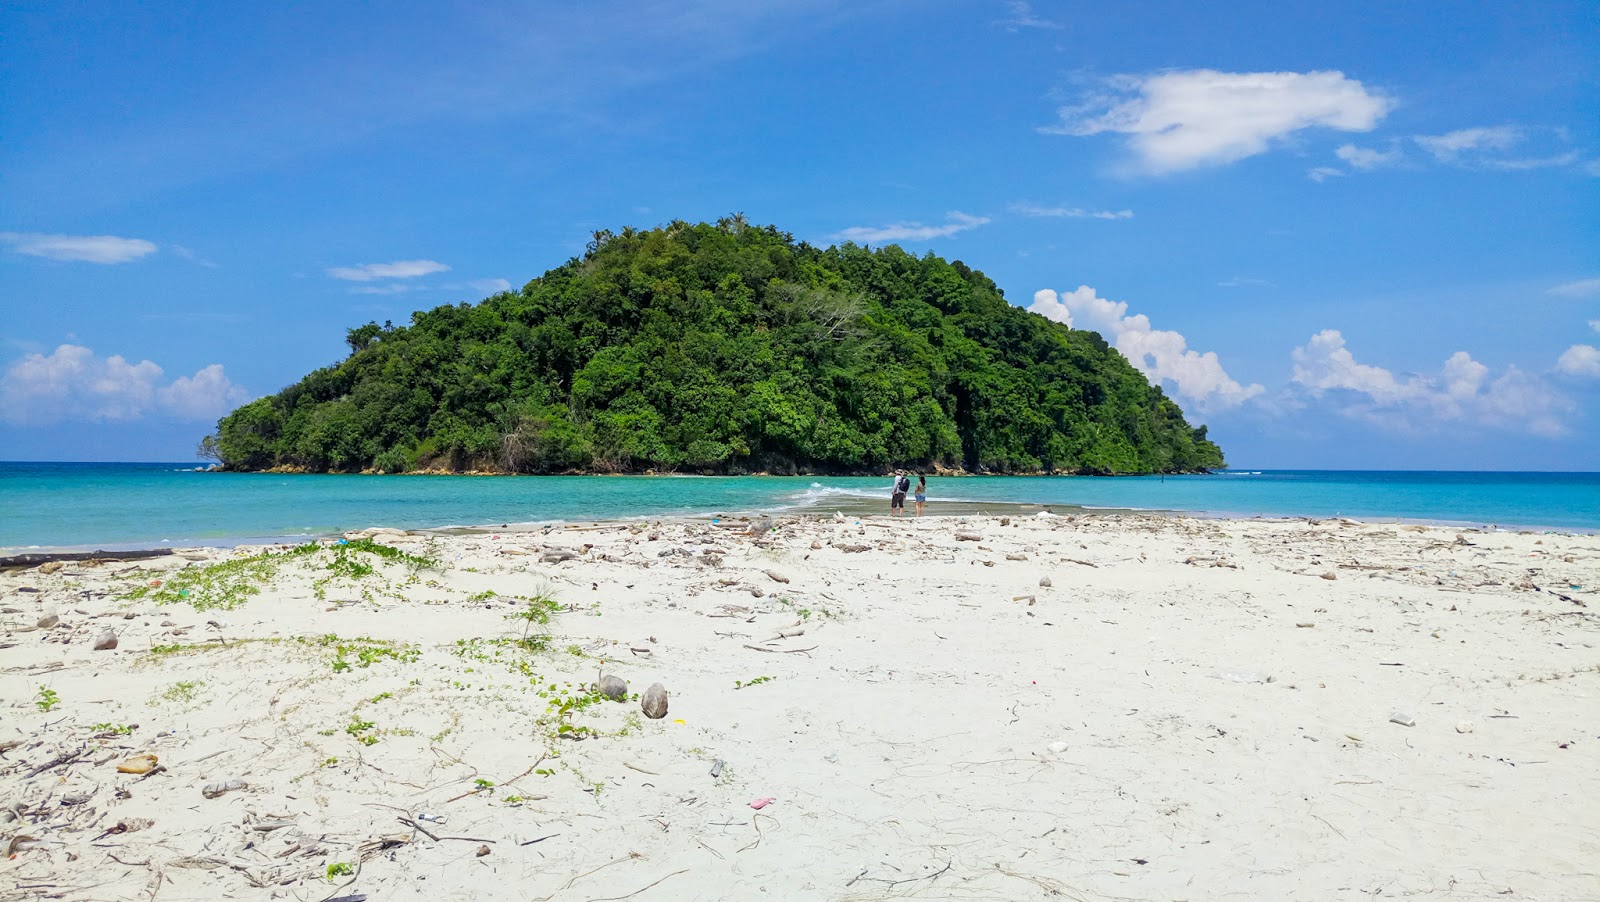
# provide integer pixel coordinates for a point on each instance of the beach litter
(222, 787)
(1245, 676)
(1404, 720)
(138, 764)
(761, 803)
(716, 769)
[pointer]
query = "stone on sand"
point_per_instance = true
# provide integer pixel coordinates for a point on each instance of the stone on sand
(106, 642)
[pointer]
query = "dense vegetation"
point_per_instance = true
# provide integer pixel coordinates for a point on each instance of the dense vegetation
(724, 348)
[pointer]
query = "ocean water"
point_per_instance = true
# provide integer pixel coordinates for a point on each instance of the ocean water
(111, 505)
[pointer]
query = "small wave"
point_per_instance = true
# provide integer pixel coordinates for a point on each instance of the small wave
(817, 492)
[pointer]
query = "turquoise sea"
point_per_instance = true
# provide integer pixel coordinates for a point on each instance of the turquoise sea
(126, 505)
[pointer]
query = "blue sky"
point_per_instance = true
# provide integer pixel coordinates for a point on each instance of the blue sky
(1355, 235)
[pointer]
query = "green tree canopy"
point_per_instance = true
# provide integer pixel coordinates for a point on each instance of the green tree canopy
(725, 348)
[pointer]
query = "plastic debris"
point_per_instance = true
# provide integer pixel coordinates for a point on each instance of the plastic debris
(213, 790)
(1245, 676)
(761, 803)
(1404, 720)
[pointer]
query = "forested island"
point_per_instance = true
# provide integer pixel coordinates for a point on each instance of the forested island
(726, 348)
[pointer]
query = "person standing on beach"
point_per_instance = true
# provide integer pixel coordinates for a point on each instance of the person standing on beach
(897, 495)
(922, 492)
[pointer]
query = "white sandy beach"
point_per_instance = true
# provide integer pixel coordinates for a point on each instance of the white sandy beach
(1192, 709)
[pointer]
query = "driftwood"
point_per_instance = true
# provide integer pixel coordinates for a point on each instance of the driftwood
(22, 561)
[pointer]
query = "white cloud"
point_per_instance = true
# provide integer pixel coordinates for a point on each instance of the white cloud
(1583, 288)
(1521, 164)
(72, 383)
(1202, 117)
(1026, 208)
(1595, 324)
(1161, 355)
(1487, 147)
(1365, 158)
(1246, 282)
(1462, 392)
(1323, 173)
(1581, 360)
(492, 286)
(1452, 146)
(912, 231)
(206, 395)
(399, 269)
(1022, 16)
(79, 248)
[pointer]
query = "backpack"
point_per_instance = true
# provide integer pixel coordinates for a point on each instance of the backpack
(903, 485)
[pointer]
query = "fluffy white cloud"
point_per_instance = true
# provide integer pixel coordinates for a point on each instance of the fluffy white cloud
(1202, 117)
(956, 222)
(72, 383)
(1323, 173)
(1161, 355)
(399, 269)
(204, 396)
(1583, 288)
(1581, 360)
(1026, 208)
(1365, 158)
(1595, 324)
(1462, 392)
(78, 248)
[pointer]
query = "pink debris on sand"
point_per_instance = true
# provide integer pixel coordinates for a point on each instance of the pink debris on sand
(759, 804)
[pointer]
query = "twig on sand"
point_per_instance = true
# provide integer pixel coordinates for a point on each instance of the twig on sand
(709, 848)
(1330, 826)
(576, 877)
(64, 759)
(755, 821)
(783, 651)
(1045, 883)
(418, 827)
(639, 769)
(890, 884)
(639, 890)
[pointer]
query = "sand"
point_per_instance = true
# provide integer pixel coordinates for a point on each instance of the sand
(1192, 709)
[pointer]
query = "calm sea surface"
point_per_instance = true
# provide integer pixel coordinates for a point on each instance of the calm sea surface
(111, 505)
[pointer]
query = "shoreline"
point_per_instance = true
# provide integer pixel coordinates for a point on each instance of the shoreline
(979, 508)
(1250, 704)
